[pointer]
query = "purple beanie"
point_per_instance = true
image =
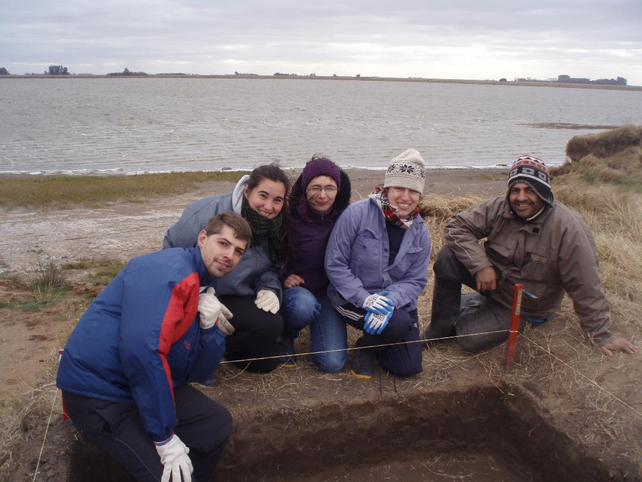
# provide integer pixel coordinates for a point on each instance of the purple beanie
(320, 167)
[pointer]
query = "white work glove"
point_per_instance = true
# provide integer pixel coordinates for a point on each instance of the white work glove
(213, 312)
(378, 303)
(176, 462)
(267, 300)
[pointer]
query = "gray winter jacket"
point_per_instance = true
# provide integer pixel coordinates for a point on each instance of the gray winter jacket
(254, 272)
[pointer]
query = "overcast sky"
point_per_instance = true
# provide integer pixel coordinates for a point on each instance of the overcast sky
(452, 39)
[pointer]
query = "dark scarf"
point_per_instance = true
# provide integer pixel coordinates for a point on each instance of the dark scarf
(265, 229)
(380, 195)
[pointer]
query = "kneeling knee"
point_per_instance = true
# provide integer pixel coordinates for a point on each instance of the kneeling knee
(469, 344)
(331, 362)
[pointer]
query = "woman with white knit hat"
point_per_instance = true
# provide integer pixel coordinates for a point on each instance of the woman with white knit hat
(377, 263)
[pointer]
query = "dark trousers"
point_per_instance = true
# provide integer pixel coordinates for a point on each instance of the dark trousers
(401, 360)
(255, 334)
(473, 314)
(115, 428)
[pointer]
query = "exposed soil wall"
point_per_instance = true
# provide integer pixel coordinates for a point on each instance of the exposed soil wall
(480, 434)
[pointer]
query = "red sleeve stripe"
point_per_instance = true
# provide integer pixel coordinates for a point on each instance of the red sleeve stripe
(179, 315)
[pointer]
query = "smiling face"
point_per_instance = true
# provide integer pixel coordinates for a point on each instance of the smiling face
(524, 200)
(267, 198)
(321, 193)
(221, 252)
(404, 199)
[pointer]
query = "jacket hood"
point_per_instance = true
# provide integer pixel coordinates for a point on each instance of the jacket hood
(237, 194)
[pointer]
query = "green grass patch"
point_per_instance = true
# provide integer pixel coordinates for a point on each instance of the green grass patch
(67, 191)
(31, 305)
(590, 178)
(102, 270)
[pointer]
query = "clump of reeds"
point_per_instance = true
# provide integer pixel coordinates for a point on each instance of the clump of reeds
(48, 279)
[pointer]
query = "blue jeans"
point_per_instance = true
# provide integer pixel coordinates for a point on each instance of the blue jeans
(327, 329)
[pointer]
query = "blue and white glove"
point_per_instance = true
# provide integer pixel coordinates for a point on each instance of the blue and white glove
(375, 322)
(378, 303)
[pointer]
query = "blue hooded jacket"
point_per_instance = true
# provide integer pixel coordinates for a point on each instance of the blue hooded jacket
(141, 337)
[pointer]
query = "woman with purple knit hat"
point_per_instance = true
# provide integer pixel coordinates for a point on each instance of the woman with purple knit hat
(319, 196)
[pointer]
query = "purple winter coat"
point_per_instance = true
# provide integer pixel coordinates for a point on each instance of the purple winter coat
(310, 232)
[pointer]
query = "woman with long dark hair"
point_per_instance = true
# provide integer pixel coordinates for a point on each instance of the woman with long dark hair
(252, 292)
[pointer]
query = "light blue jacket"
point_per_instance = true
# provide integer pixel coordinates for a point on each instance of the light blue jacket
(254, 272)
(356, 260)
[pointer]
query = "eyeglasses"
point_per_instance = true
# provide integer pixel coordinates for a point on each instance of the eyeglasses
(318, 189)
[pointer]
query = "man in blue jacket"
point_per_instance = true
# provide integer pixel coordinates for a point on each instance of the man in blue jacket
(126, 367)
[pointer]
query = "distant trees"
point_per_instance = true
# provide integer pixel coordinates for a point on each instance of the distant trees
(4, 71)
(57, 70)
(127, 72)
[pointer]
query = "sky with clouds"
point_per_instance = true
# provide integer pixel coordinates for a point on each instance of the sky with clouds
(456, 39)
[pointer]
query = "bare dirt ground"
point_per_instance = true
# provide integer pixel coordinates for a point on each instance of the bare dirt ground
(462, 419)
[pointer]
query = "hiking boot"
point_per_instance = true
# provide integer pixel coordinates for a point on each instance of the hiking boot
(362, 364)
(286, 348)
(446, 301)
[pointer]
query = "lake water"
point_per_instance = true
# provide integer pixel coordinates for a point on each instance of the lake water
(185, 124)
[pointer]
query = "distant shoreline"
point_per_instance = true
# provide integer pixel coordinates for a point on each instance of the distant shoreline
(563, 85)
(113, 173)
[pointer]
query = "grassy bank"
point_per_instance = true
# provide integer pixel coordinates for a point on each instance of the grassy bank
(613, 158)
(92, 191)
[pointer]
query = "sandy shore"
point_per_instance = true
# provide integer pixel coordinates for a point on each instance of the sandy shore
(122, 230)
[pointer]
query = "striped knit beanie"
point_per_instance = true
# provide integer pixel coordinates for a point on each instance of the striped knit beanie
(532, 171)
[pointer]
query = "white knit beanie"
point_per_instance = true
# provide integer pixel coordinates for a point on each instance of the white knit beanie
(407, 170)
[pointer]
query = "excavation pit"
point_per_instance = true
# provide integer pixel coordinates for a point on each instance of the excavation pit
(482, 434)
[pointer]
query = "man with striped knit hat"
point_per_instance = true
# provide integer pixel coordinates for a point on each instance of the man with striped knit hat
(532, 240)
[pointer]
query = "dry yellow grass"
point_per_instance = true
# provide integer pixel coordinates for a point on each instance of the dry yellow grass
(613, 157)
(437, 210)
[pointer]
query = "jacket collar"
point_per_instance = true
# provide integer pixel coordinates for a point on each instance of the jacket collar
(306, 213)
(199, 266)
(533, 226)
